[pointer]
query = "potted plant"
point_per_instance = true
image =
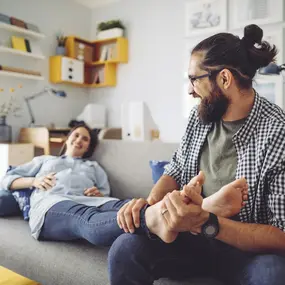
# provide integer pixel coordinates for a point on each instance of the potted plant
(61, 39)
(8, 106)
(110, 29)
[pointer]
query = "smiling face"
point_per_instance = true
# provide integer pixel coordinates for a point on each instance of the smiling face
(214, 103)
(78, 142)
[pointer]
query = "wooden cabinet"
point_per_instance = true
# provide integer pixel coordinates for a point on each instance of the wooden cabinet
(65, 69)
(15, 154)
(99, 60)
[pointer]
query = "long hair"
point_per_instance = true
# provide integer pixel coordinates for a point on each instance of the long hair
(92, 144)
(243, 57)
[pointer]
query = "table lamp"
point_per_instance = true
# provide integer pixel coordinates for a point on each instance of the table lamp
(272, 69)
(48, 90)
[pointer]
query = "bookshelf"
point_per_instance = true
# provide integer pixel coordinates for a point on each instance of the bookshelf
(22, 31)
(100, 59)
(27, 36)
(21, 53)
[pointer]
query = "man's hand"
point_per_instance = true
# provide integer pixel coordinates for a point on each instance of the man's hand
(182, 217)
(128, 216)
(45, 182)
(93, 192)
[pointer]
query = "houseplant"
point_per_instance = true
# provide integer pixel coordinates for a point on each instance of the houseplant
(110, 29)
(8, 106)
(61, 39)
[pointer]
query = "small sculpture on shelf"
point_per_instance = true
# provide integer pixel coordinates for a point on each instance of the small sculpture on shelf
(60, 49)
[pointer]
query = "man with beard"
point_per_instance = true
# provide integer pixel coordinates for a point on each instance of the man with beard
(233, 133)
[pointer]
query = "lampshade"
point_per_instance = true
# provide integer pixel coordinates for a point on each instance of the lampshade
(271, 69)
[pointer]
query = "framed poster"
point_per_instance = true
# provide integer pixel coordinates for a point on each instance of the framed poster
(259, 12)
(205, 17)
(270, 87)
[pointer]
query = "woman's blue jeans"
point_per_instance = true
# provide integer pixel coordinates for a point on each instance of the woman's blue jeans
(68, 220)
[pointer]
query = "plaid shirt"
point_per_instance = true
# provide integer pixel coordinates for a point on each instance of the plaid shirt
(260, 145)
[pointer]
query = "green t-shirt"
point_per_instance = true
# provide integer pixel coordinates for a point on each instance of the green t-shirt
(219, 158)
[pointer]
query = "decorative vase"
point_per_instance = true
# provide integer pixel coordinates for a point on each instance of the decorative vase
(111, 33)
(5, 131)
(60, 50)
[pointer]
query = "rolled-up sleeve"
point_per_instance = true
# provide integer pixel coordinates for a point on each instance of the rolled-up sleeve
(29, 169)
(174, 168)
(276, 198)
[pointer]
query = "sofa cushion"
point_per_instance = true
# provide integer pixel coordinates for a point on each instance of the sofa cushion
(127, 164)
(8, 204)
(58, 263)
(157, 168)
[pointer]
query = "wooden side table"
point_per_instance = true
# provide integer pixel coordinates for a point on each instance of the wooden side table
(42, 137)
(15, 154)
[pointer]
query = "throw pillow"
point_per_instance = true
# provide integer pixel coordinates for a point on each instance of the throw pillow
(22, 197)
(13, 203)
(157, 167)
(8, 204)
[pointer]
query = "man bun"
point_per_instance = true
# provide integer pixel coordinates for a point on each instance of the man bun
(252, 35)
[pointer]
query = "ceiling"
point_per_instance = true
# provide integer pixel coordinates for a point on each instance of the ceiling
(95, 3)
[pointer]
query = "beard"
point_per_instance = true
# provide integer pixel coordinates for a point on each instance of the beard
(213, 107)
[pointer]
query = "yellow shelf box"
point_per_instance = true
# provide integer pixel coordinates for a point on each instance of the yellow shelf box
(89, 63)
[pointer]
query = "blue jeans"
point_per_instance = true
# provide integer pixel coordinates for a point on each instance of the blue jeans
(68, 220)
(135, 259)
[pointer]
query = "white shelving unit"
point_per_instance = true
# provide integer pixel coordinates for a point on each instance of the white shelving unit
(20, 75)
(22, 31)
(21, 53)
(29, 34)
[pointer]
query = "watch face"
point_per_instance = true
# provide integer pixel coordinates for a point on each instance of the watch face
(210, 230)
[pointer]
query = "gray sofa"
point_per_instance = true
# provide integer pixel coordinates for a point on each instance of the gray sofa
(74, 263)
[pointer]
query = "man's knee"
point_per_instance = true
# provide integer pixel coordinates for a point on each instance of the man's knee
(124, 247)
(265, 270)
(128, 260)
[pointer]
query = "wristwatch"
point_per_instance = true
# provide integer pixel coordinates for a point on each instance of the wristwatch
(211, 228)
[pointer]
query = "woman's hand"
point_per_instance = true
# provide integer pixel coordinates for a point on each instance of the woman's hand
(93, 192)
(128, 216)
(45, 182)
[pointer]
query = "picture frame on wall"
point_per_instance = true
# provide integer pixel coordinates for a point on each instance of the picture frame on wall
(270, 87)
(259, 12)
(205, 17)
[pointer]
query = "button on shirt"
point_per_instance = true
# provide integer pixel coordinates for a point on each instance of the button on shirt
(73, 176)
(260, 146)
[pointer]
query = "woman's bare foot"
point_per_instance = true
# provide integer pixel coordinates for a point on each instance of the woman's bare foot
(229, 200)
(157, 224)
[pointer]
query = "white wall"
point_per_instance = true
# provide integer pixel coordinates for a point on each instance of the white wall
(50, 16)
(155, 30)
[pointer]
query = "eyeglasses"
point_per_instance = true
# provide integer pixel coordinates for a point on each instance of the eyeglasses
(194, 78)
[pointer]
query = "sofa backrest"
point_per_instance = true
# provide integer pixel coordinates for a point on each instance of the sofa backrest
(127, 164)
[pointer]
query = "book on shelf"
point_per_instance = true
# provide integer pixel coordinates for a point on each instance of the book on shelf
(98, 75)
(19, 43)
(111, 52)
(104, 53)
